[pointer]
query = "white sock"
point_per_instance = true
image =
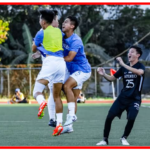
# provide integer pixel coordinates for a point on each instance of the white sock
(51, 106)
(59, 118)
(71, 125)
(40, 99)
(71, 108)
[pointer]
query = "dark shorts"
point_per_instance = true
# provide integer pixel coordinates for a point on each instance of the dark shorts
(23, 101)
(132, 109)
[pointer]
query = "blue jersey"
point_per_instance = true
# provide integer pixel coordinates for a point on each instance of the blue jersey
(80, 62)
(48, 45)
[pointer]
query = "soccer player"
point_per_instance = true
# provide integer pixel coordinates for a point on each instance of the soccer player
(53, 67)
(130, 96)
(79, 69)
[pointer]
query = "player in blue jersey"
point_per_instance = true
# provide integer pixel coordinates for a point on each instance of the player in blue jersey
(130, 96)
(53, 67)
(79, 69)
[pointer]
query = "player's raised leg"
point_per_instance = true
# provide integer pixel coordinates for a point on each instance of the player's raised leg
(37, 93)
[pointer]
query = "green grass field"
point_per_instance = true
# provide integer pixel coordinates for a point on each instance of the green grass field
(19, 126)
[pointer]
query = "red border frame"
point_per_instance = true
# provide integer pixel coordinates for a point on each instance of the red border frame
(74, 3)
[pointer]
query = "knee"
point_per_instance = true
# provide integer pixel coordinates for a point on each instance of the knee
(131, 117)
(38, 89)
(35, 94)
(66, 87)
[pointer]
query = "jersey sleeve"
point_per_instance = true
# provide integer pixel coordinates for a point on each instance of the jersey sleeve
(142, 67)
(75, 46)
(118, 73)
(39, 38)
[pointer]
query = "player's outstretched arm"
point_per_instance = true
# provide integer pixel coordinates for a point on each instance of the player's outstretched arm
(133, 70)
(102, 72)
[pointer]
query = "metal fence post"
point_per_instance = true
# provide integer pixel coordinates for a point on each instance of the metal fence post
(117, 80)
(30, 80)
(95, 73)
(8, 79)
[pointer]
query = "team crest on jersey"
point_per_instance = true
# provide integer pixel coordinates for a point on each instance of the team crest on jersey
(65, 46)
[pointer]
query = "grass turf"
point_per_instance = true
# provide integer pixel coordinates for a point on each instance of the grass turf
(19, 126)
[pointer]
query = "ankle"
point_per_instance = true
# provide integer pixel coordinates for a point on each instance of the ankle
(124, 137)
(106, 140)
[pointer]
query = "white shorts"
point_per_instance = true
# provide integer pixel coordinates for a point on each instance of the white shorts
(53, 70)
(80, 78)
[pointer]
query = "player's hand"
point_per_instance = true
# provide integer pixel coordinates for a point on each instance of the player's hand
(36, 55)
(101, 71)
(119, 59)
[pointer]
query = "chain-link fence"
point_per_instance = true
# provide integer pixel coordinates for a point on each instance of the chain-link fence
(96, 86)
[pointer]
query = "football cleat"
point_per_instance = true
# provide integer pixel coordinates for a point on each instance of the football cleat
(124, 141)
(52, 123)
(41, 109)
(57, 131)
(67, 129)
(70, 120)
(102, 143)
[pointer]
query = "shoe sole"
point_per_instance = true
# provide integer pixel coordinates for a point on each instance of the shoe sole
(67, 132)
(60, 129)
(101, 144)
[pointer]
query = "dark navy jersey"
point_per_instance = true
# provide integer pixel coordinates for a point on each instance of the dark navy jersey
(132, 83)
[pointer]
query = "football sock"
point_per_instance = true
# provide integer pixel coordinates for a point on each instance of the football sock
(71, 108)
(40, 99)
(59, 118)
(51, 106)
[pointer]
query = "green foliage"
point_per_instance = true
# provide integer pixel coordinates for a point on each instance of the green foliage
(112, 27)
(27, 38)
(87, 36)
(4, 28)
(27, 41)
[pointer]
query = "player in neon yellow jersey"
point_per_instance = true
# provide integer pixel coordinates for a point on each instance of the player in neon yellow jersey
(53, 67)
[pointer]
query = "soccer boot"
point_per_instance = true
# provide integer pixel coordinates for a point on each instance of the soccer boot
(124, 141)
(70, 120)
(101, 143)
(41, 109)
(52, 123)
(57, 131)
(67, 129)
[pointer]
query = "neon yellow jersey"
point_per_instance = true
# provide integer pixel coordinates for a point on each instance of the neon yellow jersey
(52, 40)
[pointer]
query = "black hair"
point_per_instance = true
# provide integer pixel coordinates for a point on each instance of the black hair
(55, 13)
(74, 21)
(138, 50)
(47, 15)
